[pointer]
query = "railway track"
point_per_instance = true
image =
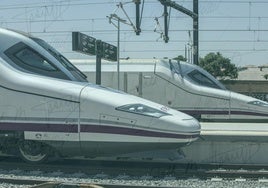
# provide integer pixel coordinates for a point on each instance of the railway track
(113, 174)
(50, 184)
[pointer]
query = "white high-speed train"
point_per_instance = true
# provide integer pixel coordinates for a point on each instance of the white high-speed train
(181, 86)
(47, 106)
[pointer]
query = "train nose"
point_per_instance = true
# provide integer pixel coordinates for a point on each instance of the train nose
(179, 123)
(191, 125)
(186, 125)
(187, 129)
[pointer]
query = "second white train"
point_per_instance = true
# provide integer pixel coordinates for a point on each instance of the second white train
(181, 86)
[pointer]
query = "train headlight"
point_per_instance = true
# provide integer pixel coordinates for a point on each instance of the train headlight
(142, 110)
(259, 103)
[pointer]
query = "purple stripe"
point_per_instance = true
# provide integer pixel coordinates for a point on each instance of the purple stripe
(215, 112)
(91, 129)
(132, 131)
(70, 128)
(248, 113)
(200, 112)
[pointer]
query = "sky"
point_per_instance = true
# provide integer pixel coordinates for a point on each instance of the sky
(238, 29)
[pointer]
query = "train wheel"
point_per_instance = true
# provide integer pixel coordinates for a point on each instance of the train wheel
(33, 152)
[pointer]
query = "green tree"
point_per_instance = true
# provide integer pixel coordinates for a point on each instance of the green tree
(180, 58)
(265, 76)
(219, 66)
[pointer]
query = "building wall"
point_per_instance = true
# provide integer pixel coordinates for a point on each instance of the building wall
(257, 89)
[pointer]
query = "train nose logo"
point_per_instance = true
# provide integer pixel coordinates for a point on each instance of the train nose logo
(38, 135)
(164, 108)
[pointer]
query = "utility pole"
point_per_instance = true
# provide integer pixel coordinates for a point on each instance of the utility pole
(98, 47)
(193, 14)
(138, 28)
(118, 52)
(166, 38)
(117, 26)
(195, 33)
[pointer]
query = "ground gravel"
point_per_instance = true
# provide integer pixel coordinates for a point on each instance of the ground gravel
(145, 180)
(167, 181)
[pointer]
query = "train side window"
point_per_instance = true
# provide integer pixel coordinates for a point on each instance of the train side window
(201, 79)
(28, 60)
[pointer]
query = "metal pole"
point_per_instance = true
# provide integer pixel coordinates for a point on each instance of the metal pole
(138, 2)
(98, 49)
(118, 54)
(185, 53)
(115, 17)
(194, 15)
(166, 38)
(195, 33)
(98, 70)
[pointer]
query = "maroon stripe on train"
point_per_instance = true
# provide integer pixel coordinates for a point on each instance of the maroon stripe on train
(133, 132)
(215, 112)
(90, 129)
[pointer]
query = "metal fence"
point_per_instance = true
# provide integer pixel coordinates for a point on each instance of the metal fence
(261, 96)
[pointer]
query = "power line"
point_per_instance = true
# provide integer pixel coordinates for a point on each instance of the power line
(69, 3)
(182, 50)
(63, 3)
(105, 19)
(173, 41)
(172, 30)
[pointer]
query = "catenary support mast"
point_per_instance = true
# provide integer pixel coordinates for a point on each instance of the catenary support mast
(194, 15)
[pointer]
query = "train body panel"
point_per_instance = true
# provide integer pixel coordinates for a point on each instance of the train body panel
(106, 126)
(46, 104)
(182, 86)
(39, 114)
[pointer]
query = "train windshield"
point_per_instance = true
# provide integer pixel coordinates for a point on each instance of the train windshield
(259, 103)
(195, 75)
(64, 61)
(201, 79)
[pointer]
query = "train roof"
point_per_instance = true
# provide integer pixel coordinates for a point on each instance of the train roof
(189, 71)
(32, 55)
(133, 65)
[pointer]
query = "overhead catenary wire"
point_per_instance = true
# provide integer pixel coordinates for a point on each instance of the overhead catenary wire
(151, 18)
(69, 3)
(172, 30)
(173, 41)
(182, 50)
(128, 18)
(254, 29)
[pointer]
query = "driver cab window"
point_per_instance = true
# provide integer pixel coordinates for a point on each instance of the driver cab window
(201, 79)
(32, 59)
(28, 60)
